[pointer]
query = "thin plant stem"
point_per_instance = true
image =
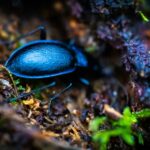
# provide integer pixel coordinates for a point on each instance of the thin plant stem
(11, 78)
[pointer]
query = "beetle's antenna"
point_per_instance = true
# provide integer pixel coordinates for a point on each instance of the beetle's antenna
(29, 93)
(57, 95)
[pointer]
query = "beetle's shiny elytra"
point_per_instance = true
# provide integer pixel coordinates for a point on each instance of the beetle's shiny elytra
(44, 59)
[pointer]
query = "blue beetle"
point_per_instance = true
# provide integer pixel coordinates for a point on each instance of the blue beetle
(43, 58)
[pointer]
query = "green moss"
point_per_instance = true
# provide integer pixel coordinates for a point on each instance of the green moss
(122, 128)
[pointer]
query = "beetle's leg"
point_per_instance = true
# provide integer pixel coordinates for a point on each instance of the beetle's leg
(39, 28)
(84, 81)
(43, 32)
(10, 100)
(56, 96)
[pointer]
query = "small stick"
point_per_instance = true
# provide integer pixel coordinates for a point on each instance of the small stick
(111, 112)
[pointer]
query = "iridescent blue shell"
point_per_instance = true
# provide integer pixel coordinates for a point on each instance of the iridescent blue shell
(44, 59)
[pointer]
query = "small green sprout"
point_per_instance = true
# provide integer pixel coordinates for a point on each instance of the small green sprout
(145, 19)
(122, 128)
(18, 85)
(91, 48)
(144, 113)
